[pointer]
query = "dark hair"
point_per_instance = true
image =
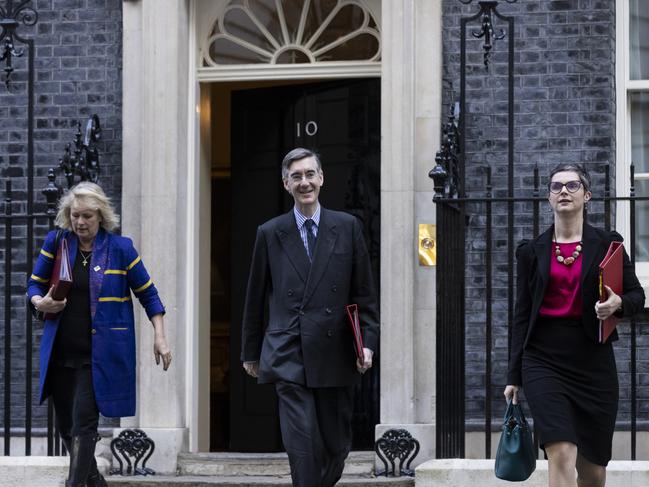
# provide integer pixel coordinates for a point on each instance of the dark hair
(581, 171)
(297, 154)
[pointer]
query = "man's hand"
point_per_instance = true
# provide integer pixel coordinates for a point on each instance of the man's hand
(367, 361)
(251, 368)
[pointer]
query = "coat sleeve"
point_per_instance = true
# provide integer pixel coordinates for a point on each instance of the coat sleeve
(362, 290)
(38, 283)
(140, 282)
(252, 329)
(522, 311)
(633, 297)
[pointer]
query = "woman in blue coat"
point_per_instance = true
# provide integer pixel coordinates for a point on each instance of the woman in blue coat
(87, 355)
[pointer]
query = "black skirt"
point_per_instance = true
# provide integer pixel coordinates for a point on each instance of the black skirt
(571, 386)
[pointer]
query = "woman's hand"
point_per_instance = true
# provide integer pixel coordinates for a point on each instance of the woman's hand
(160, 347)
(47, 304)
(511, 393)
(161, 350)
(606, 308)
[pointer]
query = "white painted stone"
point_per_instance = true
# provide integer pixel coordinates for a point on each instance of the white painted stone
(427, 143)
(397, 355)
(411, 75)
(38, 471)
(425, 289)
(397, 94)
(428, 59)
(425, 376)
(154, 183)
(424, 206)
(462, 473)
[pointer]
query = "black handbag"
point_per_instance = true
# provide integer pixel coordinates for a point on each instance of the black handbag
(516, 456)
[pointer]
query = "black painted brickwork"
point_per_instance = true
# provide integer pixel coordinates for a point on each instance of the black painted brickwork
(77, 73)
(564, 112)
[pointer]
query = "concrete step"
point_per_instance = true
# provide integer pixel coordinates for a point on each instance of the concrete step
(249, 481)
(462, 473)
(360, 463)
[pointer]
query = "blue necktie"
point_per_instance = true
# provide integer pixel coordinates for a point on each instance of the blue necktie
(310, 237)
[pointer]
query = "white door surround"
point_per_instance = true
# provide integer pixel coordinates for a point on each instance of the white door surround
(162, 190)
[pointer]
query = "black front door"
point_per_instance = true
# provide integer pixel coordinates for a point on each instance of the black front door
(341, 122)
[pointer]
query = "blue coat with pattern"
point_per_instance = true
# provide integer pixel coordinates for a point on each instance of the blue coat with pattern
(116, 270)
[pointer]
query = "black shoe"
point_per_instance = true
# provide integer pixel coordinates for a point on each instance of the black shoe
(82, 457)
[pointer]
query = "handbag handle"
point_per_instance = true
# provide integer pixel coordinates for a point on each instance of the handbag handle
(514, 412)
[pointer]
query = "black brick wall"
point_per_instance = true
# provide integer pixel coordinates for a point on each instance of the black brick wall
(78, 52)
(564, 112)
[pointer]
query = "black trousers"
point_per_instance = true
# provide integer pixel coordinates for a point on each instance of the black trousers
(74, 401)
(316, 431)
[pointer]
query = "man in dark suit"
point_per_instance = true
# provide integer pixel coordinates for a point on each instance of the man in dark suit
(310, 263)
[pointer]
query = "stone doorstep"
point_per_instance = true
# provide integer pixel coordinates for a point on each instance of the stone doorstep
(260, 464)
(37, 471)
(249, 481)
(463, 473)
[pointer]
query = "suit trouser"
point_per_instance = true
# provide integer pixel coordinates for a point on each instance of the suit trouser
(316, 431)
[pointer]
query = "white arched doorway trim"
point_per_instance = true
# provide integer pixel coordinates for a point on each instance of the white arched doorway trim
(209, 12)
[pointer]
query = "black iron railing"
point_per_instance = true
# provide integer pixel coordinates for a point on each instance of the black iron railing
(494, 216)
(80, 162)
(451, 241)
(12, 15)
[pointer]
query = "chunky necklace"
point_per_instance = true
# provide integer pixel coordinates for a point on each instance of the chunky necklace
(85, 257)
(567, 260)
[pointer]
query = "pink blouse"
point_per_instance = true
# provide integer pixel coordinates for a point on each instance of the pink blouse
(563, 292)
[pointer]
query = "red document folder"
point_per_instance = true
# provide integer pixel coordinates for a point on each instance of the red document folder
(61, 277)
(610, 274)
(354, 323)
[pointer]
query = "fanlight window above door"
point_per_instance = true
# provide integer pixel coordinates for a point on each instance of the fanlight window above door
(292, 32)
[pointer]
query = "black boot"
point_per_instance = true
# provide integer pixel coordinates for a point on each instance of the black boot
(82, 454)
(95, 479)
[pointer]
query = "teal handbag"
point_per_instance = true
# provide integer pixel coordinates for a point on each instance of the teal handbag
(516, 456)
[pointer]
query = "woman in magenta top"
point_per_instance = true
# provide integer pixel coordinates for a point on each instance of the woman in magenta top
(569, 378)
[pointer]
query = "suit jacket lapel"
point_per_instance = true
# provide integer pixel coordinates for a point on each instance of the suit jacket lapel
(592, 244)
(291, 242)
(543, 251)
(327, 235)
(98, 263)
(73, 245)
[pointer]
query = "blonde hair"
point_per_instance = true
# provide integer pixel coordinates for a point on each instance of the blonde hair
(93, 196)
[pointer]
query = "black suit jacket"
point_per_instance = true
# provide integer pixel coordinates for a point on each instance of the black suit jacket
(307, 339)
(533, 271)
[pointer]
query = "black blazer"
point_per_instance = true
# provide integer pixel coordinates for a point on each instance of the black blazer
(307, 339)
(533, 270)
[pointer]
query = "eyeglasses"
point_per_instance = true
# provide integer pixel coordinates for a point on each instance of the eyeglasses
(572, 186)
(297, 177)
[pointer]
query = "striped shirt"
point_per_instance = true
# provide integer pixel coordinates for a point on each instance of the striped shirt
(300, 219)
